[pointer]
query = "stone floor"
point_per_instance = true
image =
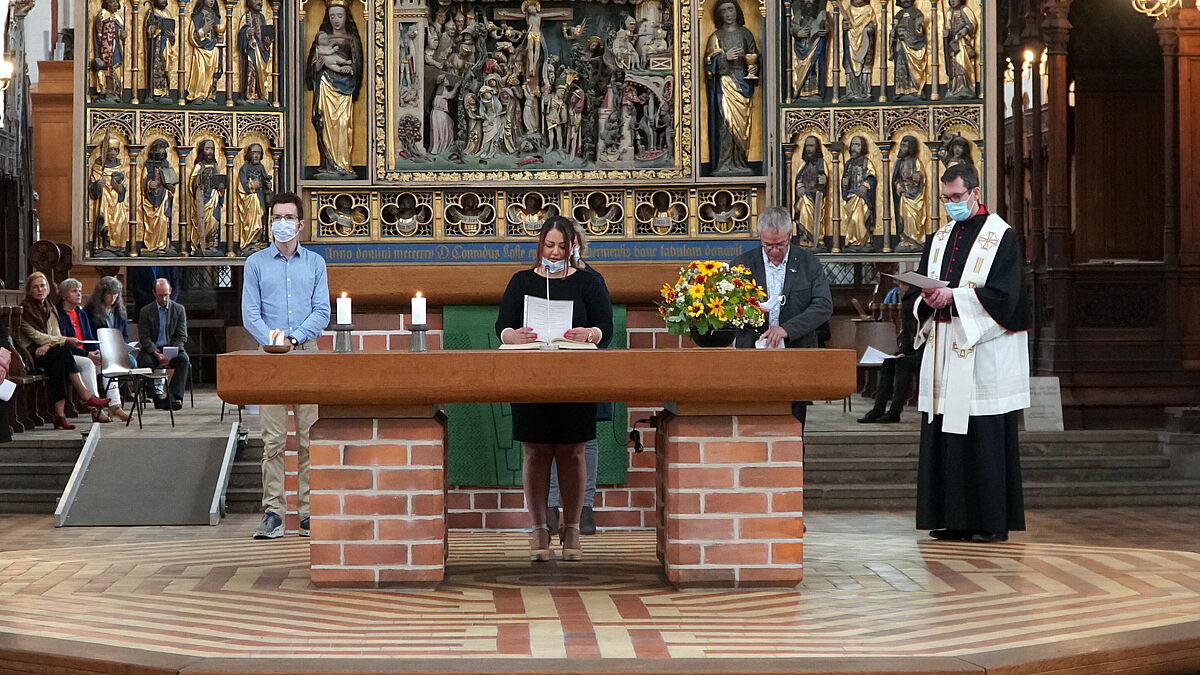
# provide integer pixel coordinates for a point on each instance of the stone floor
(873, 588)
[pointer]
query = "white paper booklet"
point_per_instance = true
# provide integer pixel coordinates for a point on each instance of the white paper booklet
(919, 280)
(874, 357)
(550, 319)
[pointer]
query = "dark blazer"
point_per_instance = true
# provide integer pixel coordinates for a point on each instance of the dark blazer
(67, 330)
(177, 332)
(807, 302)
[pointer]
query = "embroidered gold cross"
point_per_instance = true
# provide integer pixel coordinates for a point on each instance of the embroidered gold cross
(943, 233)
(986, 243)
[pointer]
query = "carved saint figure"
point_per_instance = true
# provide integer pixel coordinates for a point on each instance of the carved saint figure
(253, 194)
(962, 57)
(108, 51)
(532, 9)
(859, 19)
(556, 119)
(810, 39)
(158, 198)
(623, 48)
(908, 196)
(206, 187)
(110, 214)
(575, 107)
(909, 50)
(492, 114)
(858, 196)
(255, 40)
(160, 50)
(811, 191)
(727, 57)
(441, 123)
(205, 69)
(956, 150)
(334, 75)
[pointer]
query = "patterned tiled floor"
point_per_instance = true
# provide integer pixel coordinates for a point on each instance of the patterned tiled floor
(872, 587)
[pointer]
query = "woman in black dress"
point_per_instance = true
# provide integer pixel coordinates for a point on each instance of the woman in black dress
(556, 432)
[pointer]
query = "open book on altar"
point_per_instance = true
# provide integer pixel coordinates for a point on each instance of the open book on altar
(556, 343)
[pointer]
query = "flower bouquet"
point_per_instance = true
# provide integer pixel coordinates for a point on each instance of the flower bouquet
(710, 296)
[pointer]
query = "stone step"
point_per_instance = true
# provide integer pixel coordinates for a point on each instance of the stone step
(882, 470)
(1037, 495)
(906, 444)
(35, 475)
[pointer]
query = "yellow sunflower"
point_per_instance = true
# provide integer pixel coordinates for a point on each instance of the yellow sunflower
(716, 306)
(696, 291)
(709, 266)
(696, 310)
(667, 291)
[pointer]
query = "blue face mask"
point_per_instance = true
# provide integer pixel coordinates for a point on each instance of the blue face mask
(554, 266)
(958, 211)
(284, 230)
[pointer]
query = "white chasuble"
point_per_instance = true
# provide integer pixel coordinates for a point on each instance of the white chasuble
(972, 365)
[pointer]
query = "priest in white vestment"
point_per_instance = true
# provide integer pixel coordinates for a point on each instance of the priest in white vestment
(974, 371)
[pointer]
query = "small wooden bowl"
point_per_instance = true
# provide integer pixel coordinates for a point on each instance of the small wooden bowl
(277, 349)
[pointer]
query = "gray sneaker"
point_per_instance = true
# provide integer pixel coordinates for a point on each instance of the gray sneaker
(304, 532)
(271, 526)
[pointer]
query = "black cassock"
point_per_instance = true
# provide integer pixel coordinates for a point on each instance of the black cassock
(973, 481)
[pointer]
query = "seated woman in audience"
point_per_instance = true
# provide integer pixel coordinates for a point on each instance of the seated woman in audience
(73, 321)
(106, 308)
(51, 351)
(556, 432)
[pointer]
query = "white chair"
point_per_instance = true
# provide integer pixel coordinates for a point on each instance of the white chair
(116, 366)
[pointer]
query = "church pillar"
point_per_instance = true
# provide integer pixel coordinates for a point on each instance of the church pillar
(1185, 243)
(1016, 201)
(1032, 37)
(1057, 31)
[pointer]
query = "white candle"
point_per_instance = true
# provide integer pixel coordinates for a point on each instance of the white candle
(343, 310)
(418, 309)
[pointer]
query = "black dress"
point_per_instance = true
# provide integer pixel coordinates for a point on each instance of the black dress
(557, 422)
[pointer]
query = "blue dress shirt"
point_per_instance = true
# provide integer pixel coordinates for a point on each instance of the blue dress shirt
(285, 294)
(161, 340)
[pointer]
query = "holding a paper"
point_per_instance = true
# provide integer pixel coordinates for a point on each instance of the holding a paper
(559, 298)
(163, 324)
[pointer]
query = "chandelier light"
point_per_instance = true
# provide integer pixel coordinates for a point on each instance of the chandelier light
(1156, 8)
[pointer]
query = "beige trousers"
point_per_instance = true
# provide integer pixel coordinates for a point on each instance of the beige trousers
(274, 420)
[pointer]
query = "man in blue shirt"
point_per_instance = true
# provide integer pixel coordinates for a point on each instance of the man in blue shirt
(285, 287)
(161, 325)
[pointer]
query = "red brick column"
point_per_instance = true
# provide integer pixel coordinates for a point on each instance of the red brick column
(730, 498)
(378, 505)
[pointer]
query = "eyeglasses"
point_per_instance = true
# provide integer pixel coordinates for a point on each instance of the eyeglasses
(284, 219)
(779, 246)
(956, 197)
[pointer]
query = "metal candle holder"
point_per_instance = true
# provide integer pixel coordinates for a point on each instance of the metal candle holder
(343, 342)
(418, 343)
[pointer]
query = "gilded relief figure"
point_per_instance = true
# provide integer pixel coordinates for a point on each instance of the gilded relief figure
(441, 123)
(160, 51)
(204, 70)
(206, 188)
(335, 75)
(731, 64)
(910, 51)
(811, 192)
(158, 198)
(256, 42)
(108, 188)
(810, 40)
(962, 57)
(909, 200)
(859, 30)
(108, 51)
(858, 196)
(253, 194)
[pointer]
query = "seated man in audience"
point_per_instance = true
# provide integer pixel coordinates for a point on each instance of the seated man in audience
(162, 324)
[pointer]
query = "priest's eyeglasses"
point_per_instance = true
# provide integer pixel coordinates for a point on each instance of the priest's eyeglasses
(956, 197)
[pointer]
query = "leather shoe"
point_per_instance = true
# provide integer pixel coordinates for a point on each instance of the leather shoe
(951, 535)
(871, 416)
(177, 404)
(94, 402)
(888, 418)
(160, 404)
(989, 537)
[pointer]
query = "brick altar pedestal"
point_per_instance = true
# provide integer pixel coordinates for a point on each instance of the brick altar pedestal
(730, 497)
(378, 497)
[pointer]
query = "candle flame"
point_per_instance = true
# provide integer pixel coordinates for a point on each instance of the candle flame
(418, 294)
(343, 294)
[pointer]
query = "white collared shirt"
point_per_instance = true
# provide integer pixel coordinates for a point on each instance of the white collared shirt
(775, 277)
